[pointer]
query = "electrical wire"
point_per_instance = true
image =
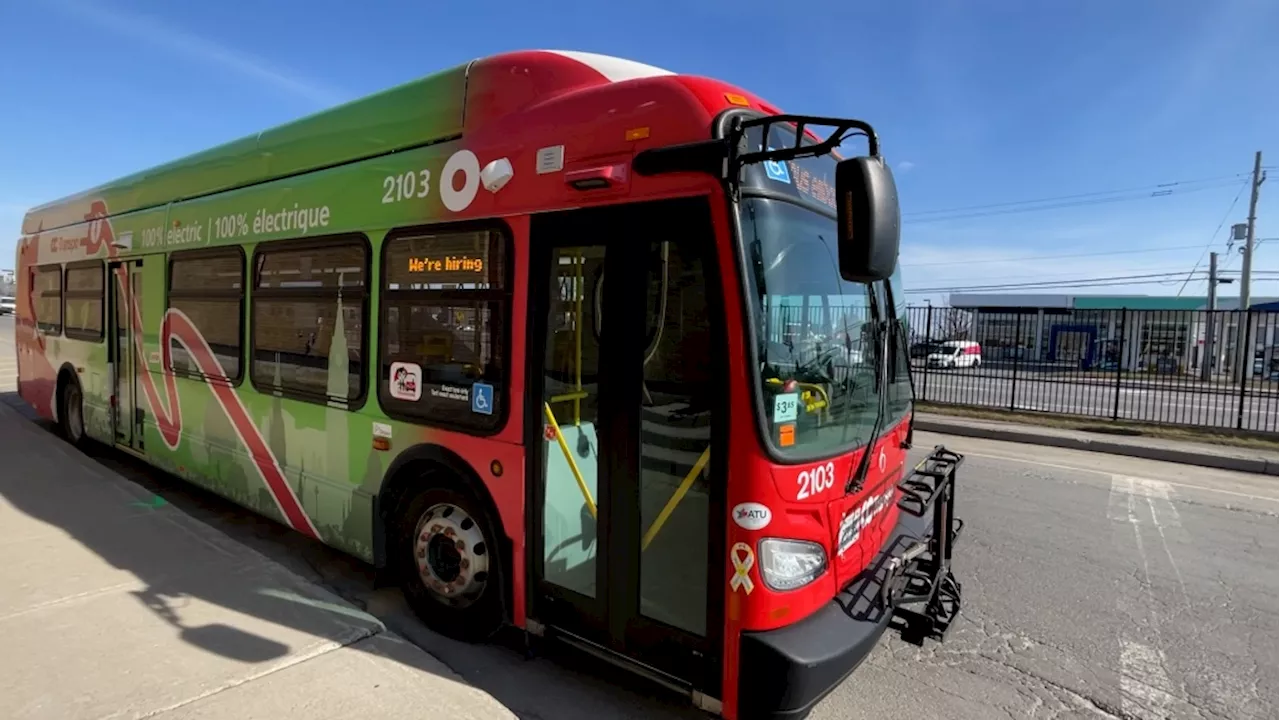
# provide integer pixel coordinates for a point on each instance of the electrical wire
(1033, 258)
(1163, 277)
(1119, 281)
(1077, 196)
(979, 211)
(1217, 230)
(1070, 275)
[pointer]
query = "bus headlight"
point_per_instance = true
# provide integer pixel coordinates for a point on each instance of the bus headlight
(790, 564)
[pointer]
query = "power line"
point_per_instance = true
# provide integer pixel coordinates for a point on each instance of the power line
(1052, 276)
(995, 290)
(1168, 279)
(1120, 279)
(1030, 258)
(1077, 196)
(1084, 199)
(1214, 236)
(1060, 206)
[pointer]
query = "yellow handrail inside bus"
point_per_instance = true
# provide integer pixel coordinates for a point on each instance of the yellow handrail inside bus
(573, 466)
(565, 397)
(822, 402)
(676, 497)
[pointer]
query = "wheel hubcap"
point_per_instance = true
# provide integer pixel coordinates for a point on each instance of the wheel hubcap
(452, 555)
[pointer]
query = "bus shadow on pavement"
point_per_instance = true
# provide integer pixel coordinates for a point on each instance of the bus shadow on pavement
(121, 522)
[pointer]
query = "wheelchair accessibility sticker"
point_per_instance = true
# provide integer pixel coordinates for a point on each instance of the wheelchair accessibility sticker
(482, 398)
(777, 171)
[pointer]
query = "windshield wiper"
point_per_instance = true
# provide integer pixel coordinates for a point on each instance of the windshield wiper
(882, 390)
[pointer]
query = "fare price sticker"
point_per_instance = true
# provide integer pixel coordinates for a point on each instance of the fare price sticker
(786, 407)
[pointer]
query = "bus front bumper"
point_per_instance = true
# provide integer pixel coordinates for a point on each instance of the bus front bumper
(784, 673)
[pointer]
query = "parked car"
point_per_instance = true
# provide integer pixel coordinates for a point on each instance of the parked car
(8, 305)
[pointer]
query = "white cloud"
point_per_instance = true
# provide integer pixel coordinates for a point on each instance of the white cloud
(906, 166)
(175, 40)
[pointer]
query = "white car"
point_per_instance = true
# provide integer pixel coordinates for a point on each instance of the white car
(955, 354)
(8, 306)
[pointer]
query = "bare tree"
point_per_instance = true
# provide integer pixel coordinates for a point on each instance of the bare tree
(952, 324)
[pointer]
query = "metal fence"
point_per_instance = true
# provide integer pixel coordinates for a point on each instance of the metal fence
(1215, 369)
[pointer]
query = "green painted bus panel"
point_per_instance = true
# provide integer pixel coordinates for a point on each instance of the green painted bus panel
(325, 452)
(379, 193)
(95, 382)
(416, 113)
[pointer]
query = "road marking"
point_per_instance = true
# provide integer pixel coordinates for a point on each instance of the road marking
(1104, 472)
(1145, 688)
(1157, 494)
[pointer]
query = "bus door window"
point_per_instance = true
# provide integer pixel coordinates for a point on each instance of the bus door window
(571, 418)
(675, 439)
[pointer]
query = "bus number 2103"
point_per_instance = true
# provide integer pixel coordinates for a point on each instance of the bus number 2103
(403, 187)
(816, 481)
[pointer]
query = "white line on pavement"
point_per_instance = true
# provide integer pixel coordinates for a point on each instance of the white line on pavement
(1145, 688)
(1077, 468)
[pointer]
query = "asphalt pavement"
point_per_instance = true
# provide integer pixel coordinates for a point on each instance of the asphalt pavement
(1176, 401)
(1095, 586)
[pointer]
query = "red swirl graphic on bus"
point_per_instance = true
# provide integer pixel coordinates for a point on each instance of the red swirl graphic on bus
(177, 326)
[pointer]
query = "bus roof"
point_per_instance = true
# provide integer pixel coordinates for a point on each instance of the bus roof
(429, 110)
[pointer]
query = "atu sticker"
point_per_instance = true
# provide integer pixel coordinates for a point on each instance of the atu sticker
(406, 381)
(752, 516)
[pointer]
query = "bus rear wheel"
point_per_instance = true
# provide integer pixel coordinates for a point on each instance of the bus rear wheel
(448, 566)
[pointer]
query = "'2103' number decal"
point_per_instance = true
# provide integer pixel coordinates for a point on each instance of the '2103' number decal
(816, 481)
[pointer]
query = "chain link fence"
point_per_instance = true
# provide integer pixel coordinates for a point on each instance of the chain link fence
(1177, 367)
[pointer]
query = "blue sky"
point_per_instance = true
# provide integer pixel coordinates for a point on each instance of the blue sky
(978, 103)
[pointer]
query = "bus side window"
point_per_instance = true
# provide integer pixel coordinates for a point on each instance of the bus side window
(48, 296)
(445, 300)
(83, 300)
(308, 318)
(208, 287)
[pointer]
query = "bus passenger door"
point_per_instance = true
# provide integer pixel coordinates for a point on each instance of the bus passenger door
(627, 494)
(125, 278)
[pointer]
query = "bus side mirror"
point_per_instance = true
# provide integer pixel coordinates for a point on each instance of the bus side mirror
(868, 218)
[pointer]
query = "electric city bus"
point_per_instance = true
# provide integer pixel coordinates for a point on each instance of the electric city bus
(560, 341)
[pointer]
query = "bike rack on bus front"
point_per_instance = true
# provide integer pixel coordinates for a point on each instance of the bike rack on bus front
(921, 575)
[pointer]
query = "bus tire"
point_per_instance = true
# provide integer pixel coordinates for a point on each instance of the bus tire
(448, 564)
(71, 412)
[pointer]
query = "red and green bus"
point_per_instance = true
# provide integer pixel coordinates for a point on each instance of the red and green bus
(560, 341)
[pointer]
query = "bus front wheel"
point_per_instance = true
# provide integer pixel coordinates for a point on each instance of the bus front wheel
(448, 565)
(71, 413)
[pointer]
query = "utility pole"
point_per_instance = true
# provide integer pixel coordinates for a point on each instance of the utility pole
(1210, 352)
(1244, 355)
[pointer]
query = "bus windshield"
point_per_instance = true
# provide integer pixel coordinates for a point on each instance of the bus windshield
(814, 353)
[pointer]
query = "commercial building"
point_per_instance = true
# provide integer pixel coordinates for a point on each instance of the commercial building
(1139, 332)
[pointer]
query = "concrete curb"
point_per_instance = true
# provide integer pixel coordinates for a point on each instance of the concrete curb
(1019, 434)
